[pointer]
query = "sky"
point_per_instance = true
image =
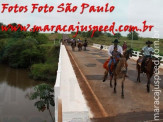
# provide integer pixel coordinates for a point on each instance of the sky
(126, 12)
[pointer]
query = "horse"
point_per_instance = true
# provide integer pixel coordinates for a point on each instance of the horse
(68, 41)
(80, 46)
(73, 45)
(119, 71)
(149, 69)
(85, 45)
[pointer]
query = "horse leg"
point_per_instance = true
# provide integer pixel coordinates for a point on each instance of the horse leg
(138, 79)
(105, 75)
(138, 76)
(111, 77)
(123, 87)
(115, 83)
(148, 83)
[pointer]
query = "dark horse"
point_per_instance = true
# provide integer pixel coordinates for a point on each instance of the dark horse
(149, 69)
(73, 45)
(85, 45)
(119, 71)
(80, 46)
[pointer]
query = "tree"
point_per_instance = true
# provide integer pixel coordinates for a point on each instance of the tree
(34, 33)
(97, 33)
(135, 35)
(117, 35)
(22, 54)
(109, 35)
(46, 98)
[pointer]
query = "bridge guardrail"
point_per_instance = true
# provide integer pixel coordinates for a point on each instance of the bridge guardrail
(67, 90)
(136, 54)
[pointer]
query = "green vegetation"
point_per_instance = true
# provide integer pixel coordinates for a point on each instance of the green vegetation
(44, 93)
(46, 71)
(22, 53)
(31, 50)
(117, 35)
(107, 38)
(133, 35)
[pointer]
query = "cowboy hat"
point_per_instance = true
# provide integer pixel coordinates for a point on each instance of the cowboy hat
(116, 41)
(149, 42)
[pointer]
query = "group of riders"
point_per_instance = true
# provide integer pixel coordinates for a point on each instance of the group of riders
(116, 66)
(116, 51)
(79, 43)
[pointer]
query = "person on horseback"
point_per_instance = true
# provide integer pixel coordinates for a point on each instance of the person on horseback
(85, 44)
(79, 44)
(79, 41)
(147, 52)
(115, 51)
(124, 46)
(73, 42)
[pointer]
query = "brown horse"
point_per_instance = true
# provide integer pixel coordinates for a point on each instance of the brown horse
(80, 46)
(119, 71)
(149, 69)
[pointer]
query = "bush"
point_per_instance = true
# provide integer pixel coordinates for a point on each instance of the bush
(46, 72)
(109, 35)
(41, 39)
(22, 54)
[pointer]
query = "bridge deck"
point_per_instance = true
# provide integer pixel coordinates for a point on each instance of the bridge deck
(136, 101)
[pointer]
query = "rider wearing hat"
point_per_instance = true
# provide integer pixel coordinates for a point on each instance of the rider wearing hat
(146, 51)
(111, 54)
(111, 47)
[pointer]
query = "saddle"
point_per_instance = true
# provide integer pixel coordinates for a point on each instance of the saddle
(140, 61)
(105, 65)
(143, 65)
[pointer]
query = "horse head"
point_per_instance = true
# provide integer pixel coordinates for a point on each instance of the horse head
(128, 53)
(156, 61)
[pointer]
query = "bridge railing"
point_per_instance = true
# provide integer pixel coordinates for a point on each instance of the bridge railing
(68, 92)
(136, 54)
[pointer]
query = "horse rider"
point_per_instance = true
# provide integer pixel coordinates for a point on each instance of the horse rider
(73, 42)
(85, 41)
(85, 44)
(111, 49)
(79, 41)
(147, 52)
(124, 46)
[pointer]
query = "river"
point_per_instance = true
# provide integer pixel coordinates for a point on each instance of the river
(15, 106)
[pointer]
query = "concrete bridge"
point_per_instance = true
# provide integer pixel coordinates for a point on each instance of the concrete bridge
(81, 96)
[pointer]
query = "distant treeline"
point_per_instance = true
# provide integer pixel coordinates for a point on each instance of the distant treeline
(132, 35)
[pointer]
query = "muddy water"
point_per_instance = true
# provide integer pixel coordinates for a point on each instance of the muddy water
(15, 106)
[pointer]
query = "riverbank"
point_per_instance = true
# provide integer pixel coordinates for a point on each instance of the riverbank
(34, 51)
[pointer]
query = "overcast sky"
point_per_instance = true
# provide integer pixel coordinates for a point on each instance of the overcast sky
(126, 12)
